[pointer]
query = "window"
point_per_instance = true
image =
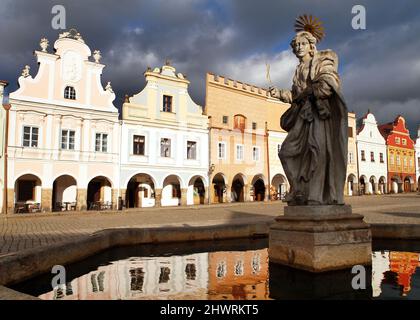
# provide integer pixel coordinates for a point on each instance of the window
(350, 157)
(165, 147)
(221, 269)
(398, 160)
(225, 119)
(350, 132)
(167, 103)
(411, 162)
(30, 137)
(67, 139)
(254, 126)
(372, 156)
(190, 271)
(101, 142)
(164, 274)
(256, 264)
(397, 140)
(137, 279)
(239, 268)
(381, 157)
(391, 160)
(239, 122)
(405, 161)
(191, 150)
(69, 93)
(363, 155)
(221, 152)
(404, 142)
(239, 152)
(138, 145)
(256, 153)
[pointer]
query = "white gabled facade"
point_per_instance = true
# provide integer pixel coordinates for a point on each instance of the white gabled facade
(64, 132)
(164, 149)
(371, 157)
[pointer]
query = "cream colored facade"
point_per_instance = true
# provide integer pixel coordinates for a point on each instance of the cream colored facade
(64, 131)
(138, 278)
(352, 187)
(241, 117)
(164, 154)
(276, 137)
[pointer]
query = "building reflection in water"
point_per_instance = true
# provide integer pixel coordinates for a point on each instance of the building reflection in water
(177, 277)
(240, 275)
(394, 268)
(217, 275)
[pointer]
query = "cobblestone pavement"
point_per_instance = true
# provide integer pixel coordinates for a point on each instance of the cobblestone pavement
(25, 231)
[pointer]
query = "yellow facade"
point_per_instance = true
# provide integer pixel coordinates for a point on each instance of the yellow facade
(401, 160)
(239, 167)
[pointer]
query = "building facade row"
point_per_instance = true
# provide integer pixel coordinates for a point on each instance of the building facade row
(69, 147)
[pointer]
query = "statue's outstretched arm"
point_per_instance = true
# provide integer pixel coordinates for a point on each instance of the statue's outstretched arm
(281, 94)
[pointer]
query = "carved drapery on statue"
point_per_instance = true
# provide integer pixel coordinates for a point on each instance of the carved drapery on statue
(314, 154)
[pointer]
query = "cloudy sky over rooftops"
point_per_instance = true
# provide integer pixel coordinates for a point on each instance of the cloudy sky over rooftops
(379, 66)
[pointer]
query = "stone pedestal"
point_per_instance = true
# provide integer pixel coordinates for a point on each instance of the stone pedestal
(320, 238)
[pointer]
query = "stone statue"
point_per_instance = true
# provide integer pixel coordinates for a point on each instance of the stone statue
(25, 71)
(109, 87)
(314, 153)
(44, 43)
(97, 56)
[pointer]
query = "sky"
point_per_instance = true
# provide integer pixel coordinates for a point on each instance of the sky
(379, 66)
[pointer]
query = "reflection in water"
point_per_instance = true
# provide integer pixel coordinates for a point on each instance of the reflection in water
(393, 273)
(215, 275)
(227, 270)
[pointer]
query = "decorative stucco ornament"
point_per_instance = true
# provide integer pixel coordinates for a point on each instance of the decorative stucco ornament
(44, 43)
(97, 56)
(25, 71)
(109, 87)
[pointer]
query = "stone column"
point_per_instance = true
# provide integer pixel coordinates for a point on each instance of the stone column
(355, 189)
(247, 190)
(10, 200)
(227, 197)
(123, 195)
(267, 193)
(206, 195)
(184, 196)
(376, 187)
(81, 199)
(158, 197)
(46, 199)
(114, 197)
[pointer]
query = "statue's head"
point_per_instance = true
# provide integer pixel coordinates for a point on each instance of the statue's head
(303, 43)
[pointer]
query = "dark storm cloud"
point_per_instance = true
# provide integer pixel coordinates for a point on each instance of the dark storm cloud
(380, 66)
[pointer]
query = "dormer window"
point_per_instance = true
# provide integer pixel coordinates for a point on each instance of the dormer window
(167, 103)
(69, 93)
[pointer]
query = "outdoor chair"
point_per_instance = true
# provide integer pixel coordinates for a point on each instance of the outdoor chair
(20, 208)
